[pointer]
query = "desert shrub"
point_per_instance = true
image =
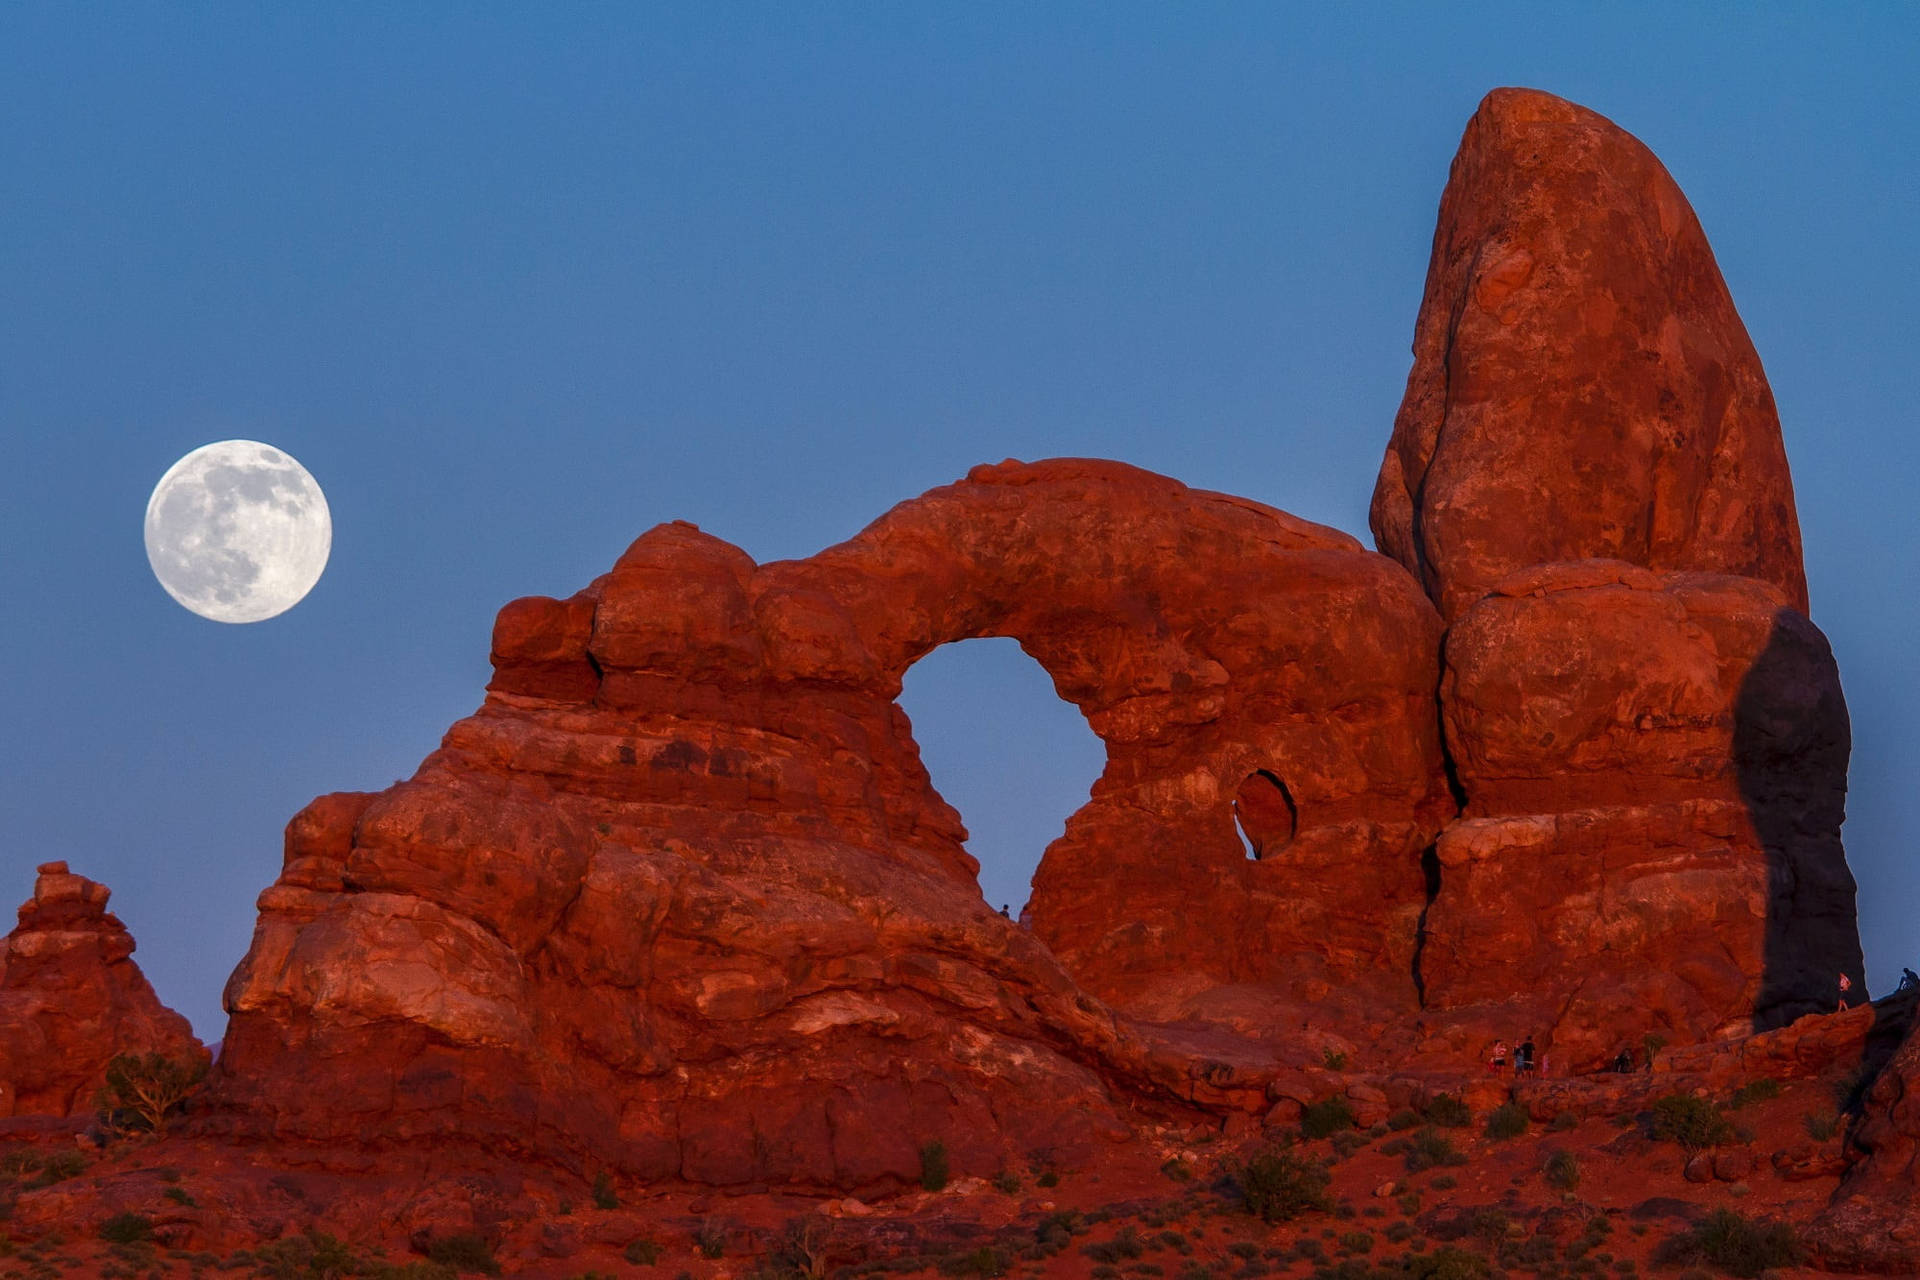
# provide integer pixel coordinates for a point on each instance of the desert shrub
(984, 1261)
(603, 1194)
(1276, 1185)
(1734, 1244)
(1822, 1125)
(1404, 1118)
(143, 1091)
(1653, 1042)
(1346, 1142)
(1565, 1122)
(933, 1166)
(1761, 1090)
(1175, 1241)
(1445, 1182)
(1691, 1122)
(1427, 1149)
(1177, 1170)
(1356, 1242)
(1335, 1059)
(1047, 1178)
(1448, 1112)
(180, 1196)
(1445, 1263)
(1509, 1120)
(1563, 1171)
(710, 1238)
(1400, 1232)
(463, 1252)
(1409, 1202)
(311, 1255)
(1326, 1117)
(1007, 1182)
(1125, 1245)
(126, 1228)
(642, 1253)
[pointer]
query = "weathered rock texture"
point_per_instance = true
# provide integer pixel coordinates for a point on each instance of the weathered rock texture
(1582, 386)
(71, 998)
(1647, 732)
(680, 899)
(1873, 1222)
(1655, 772)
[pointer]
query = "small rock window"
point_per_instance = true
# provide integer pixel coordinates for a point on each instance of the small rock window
(1266, 814)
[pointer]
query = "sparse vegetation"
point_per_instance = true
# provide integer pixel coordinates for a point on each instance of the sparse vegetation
(710, 1239)
(1403, 1119)
(1007, 1182)
(1277, 1185)
(1122, 1247)
(144, 1091)
(1691, 1122)
(1562, 1171)
(1177, 1170)
(933, 1166)
(1335, 1059)
(464, 1252)
(1326, 1117)
(603, 1193)
(1448, 1112)
(1425, 1149)
(642, 1253)
(1508, 1120)
(1565, 1122)
(126, 1228)
(1822, 1125)
(1736, 1245)
(1761, 1090)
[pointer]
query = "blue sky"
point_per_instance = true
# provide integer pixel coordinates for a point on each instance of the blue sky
(516, 283)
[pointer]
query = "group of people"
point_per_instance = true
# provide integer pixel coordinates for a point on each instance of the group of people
(1521, 1059)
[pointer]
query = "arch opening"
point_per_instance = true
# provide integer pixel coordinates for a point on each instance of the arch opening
(1264, 812)
(1003, 748)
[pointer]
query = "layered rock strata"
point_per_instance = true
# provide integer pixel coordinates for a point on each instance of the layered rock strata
(71, 998)
(680, 899)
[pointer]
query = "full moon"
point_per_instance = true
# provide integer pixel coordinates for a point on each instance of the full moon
(237, 531)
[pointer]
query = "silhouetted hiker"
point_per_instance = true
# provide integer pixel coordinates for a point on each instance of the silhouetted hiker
(1623, 1062)
(1498, 1063)
(1908, 980)
(1523, 1060)
(1846, 985)
(1006, 914)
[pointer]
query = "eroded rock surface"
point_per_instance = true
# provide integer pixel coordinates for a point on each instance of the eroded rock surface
(1582, 385)
(1655, 773)
(680, 900)
(71, 998)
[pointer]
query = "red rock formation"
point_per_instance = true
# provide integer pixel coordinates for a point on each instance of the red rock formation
(1582, 386)
(71, 998)
(680, 899)
(1873, 1222)
(1655, 767)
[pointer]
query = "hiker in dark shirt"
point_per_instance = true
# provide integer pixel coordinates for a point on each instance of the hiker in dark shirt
(1908, 980)
(1523, 1057)
(1623, 1062)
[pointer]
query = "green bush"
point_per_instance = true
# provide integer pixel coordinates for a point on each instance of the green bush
(464, 1252)
(1403, 1119)
(642, 1253)
(1047, 1178)
(1448, 1112)
(1427, 1149)
(1125, 1245)
(315, 1255)
(1356, 1242)
(1563, 1171)
(1734, 1244)
(1565, 1122)
(126, 1228)
(1276, 1185)
(710, 1239)
(1335, 1059)
(603, 1193)
(1761, 1090)
(144, 1091)
(1822, 1125)
(1177, 1170)
(1445, 1263)
(1691, 1122)
(1509, 1120)
(1326, 1117)
(984, 1261)
(933, 1166)
(1007, 1182)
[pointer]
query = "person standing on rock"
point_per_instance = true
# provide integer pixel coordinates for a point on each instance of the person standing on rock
(1908, 980)
(1846, 985)
(1623, 1062)
(1523, 1060)
(1498, 1064)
